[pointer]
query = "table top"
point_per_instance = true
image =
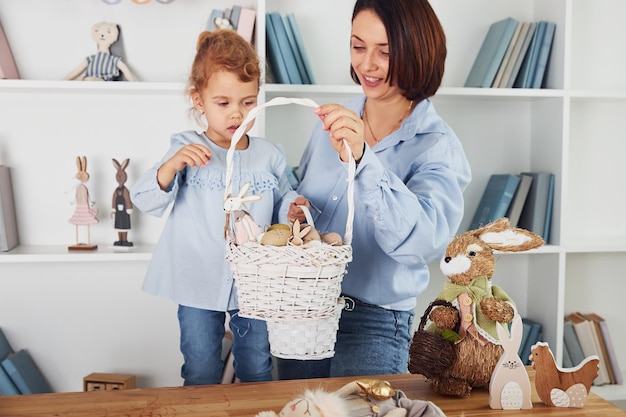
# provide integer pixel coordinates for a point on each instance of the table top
(247, 399)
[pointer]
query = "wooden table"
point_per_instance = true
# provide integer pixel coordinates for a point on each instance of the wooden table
(250, 398)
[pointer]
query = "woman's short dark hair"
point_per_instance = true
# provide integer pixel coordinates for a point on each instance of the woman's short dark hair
(417, 45)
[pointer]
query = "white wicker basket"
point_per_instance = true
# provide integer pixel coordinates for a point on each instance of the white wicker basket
(305, 339)
(288, 283)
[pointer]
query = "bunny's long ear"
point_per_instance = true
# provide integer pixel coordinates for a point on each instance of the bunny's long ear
(500, 236)
(116, 164)
(84, 159)
(79, 164)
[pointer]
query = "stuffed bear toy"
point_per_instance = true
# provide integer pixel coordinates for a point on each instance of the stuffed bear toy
(475, 306)
(360, 398)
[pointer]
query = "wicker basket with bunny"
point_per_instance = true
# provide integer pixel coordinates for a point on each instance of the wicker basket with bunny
(474, 307)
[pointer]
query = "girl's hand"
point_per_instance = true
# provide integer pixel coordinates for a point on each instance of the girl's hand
(342, 123)
(192, 155)
(295, 212)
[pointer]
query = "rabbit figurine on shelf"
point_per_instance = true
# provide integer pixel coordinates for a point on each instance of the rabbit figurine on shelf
(509, 387)
(121, 206)
(85, 214)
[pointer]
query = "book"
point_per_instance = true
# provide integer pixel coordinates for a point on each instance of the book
(520, 55)
(301, 48)
(296, 53)
(25, 374)
(533, 215)
(517, 204)
(515, 48)
(570, 340)
(234, 14)
(534, 331)
(8, 68)
(278, 67)
(245, 24)
(548, 221)
(7, 387)
(525, 331)
(491, 52)
(544, 55)
(507, 56)
(496, 199)
(285, 49)
(567, 360)
(210, 24)
(611, 355)
(586, 333)
(9, 237)
(525, 76)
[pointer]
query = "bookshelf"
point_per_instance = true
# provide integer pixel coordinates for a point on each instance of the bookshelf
(572, 129)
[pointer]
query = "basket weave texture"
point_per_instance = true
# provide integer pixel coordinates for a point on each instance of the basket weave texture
(305, 339)
(429, 353)
(289, 283)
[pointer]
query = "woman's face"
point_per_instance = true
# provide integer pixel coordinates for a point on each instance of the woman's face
(369, 55)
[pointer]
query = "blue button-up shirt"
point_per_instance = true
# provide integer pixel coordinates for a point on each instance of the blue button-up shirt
(188, 264)
(408, 203)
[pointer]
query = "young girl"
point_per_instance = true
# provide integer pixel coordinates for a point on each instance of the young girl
(188, 264)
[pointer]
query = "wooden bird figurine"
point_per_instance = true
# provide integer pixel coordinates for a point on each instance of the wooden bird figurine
(562, 387)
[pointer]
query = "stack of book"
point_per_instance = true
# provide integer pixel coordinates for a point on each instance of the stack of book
(18, 372)
(525, 199)
(289, 63)
(588, 334)
(531, 335)
(237, 18)
(513, 54)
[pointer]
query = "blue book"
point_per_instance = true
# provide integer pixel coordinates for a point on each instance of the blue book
(491, 53)
(301, 48)
(533, 337)
(544, 55)
(570, 340)
(533, 215)
(296, 52)
(24, 372)
(235, 12)
(525, 77)
(548, 221)
(273, 53)
(496, 199)
(285, 48)
(7, 387)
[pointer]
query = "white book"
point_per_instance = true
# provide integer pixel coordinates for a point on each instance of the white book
(8, 219)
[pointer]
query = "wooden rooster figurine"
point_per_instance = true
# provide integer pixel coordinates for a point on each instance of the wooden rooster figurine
(562, 387)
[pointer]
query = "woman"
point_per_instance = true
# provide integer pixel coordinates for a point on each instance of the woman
(409, 184)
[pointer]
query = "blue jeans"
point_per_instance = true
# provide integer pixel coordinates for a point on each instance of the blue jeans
(201, 334)
(371, 341)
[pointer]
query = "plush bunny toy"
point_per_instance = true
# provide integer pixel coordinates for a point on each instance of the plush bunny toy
(360, 398)
(477, 305)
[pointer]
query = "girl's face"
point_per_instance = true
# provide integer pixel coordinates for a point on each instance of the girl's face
(369, 55)
(225, 102)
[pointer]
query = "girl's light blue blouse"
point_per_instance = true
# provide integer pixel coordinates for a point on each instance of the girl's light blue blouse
(188, 264)
(408, 204)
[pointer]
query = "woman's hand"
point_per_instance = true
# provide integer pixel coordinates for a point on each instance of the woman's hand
(192, 155)
(342, 123)
(295, 212)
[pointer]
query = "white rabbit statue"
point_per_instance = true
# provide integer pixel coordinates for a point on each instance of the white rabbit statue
(509, 387)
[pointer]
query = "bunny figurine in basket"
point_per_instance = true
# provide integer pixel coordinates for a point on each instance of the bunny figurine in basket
(477, 307)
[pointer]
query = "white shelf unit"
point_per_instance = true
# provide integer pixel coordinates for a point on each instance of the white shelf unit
(571, 128)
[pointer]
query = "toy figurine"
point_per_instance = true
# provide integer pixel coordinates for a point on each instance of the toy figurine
(562, 387)
(478, 305)
(509, 387)
(121, 207)
(104, 65)
(85, 214)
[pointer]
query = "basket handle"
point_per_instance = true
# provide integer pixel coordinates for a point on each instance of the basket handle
(435, 303)
(279, 101)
